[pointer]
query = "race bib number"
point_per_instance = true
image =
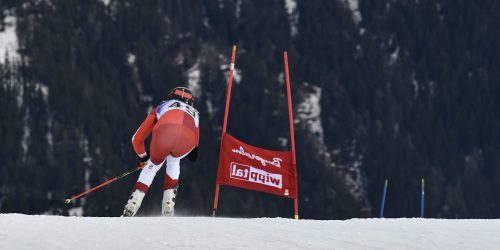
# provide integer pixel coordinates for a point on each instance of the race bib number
(164, 107)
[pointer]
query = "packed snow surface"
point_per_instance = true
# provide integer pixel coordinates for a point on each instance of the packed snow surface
(56, 232)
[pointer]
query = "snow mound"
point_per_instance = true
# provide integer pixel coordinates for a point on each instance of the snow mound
(56, 232)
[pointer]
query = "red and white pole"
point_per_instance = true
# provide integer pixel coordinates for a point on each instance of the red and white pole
(101, 185)
(224, 126)
(292, 135)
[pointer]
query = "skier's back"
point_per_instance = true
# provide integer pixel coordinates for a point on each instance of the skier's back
(175, 127)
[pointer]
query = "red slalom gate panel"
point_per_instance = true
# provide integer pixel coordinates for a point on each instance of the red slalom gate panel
(245, 166)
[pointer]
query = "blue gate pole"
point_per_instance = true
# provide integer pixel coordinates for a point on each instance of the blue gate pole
(422, 199)
(383, 200)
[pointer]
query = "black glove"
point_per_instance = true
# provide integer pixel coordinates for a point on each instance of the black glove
(143, 159)
(193, 155)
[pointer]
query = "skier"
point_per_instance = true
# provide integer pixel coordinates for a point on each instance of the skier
(175, 127)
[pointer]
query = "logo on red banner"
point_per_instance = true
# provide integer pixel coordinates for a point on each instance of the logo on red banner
(251, 174)
(275, 162)
(245, 166)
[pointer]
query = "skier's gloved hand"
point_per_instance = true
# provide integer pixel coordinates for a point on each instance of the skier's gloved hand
(143, 159)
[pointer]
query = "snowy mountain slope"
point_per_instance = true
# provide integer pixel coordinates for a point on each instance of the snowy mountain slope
(54, 232)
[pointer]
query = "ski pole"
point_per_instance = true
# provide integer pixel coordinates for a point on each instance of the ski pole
(102, 185)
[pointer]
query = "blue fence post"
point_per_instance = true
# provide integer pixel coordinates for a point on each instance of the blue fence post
(422, 199)
(382, 205)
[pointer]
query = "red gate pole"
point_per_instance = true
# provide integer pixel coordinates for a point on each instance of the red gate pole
(229, 87)
(224, 127)
(292, 136)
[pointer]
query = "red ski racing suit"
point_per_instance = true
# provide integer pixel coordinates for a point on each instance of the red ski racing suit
(175, 127)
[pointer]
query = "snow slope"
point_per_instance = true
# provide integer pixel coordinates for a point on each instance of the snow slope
(56, 232)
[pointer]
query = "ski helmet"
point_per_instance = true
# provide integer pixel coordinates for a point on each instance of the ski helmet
(182, 94)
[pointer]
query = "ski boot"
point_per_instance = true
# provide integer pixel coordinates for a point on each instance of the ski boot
(133, 203)
(168, 203)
